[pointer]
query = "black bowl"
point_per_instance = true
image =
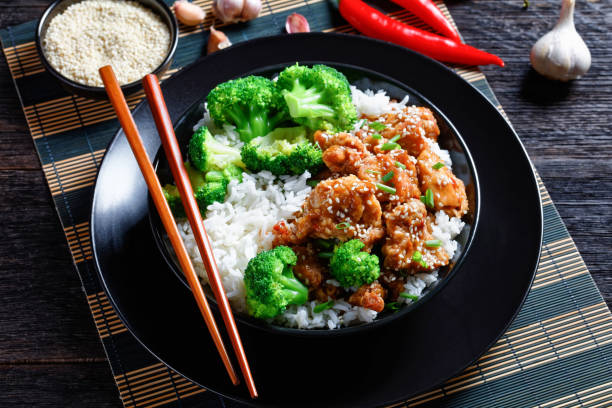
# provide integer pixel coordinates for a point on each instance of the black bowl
(463, 167)
(58, 6)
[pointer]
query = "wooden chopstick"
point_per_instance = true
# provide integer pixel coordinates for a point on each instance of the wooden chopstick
(175, 159)
(129, 127)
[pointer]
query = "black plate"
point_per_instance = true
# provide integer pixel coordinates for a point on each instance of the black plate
(392, 363)
(449, 139)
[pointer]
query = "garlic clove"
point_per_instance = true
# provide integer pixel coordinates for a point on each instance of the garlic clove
(228, 11)
(251, 10)
(217, 41)
(296, 23)
(561, 54)
(188, 13)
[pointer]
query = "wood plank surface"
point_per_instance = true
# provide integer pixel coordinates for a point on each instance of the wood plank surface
(50, 354)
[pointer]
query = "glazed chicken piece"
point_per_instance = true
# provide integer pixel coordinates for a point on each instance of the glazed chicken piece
(370, 296)
(308, 269)
(393, 283)
(414, 124)
(370, 141)
(408, 228)
(341, 151)
(327, 291)
(312, 273)
(343, 208)
(448, 190)
(404, 175)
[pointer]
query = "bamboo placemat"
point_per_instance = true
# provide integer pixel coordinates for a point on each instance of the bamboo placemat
(557, 353)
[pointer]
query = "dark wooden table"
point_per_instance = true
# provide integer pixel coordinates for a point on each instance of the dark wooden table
(50, 354)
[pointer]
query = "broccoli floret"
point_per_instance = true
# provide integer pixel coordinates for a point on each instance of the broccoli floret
(351, 267)
(206, 153)
(173, 197)
(271, 285)
(207, 187)
(252, 104)
(212, 165)
(318, 97)
(282, 151)
(232, 172)
(214, 187)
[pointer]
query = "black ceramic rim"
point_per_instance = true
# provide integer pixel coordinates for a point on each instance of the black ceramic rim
(458, 325)
(95, 90)
(384, 317)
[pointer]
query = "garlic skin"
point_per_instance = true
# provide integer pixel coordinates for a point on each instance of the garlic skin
(561, 54)
(188, 13)
(251, 10)
(296, 23)
(234, 11)
(217, 41)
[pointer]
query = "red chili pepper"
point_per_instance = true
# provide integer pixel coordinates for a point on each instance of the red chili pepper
(427, 11)
(373, 23)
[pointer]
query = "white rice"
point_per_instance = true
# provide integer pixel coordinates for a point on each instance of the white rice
(372, 103)
(241, 227)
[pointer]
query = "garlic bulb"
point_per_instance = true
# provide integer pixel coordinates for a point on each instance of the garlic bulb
(562, 54)
(188, 13)
(233, 11)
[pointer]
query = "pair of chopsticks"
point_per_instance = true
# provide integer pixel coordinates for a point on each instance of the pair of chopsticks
(173, 153)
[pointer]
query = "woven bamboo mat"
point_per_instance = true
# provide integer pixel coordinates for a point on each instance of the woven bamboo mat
(557, 353)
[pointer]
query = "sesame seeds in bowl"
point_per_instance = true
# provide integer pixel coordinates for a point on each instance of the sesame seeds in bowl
(76, 38)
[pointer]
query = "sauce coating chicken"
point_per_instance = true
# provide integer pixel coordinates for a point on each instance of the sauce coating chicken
(308, 269)
(448, 190)
(414, 124)
(371, 296)
(370, 192)
(408, 227)
(311, 272)
(342, 152)
(342, 208)
(403, 176)
(393, 283)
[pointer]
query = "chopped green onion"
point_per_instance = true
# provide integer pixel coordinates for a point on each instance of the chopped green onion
(342, 225)
(386, 189)
(376, 136)
(400, 165)
(313, 183)
(377, 126)
(417, 256)
(433, 243)
(389, 146)
(323, 306)
(407, 295)
(388, 176)
(325, 255)
(422, 198)
(361, 123)
(323, 243)
(429, 199)
(437, 166)
(394, 139)
(392, 306)
(423, 264)
(372, 171)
